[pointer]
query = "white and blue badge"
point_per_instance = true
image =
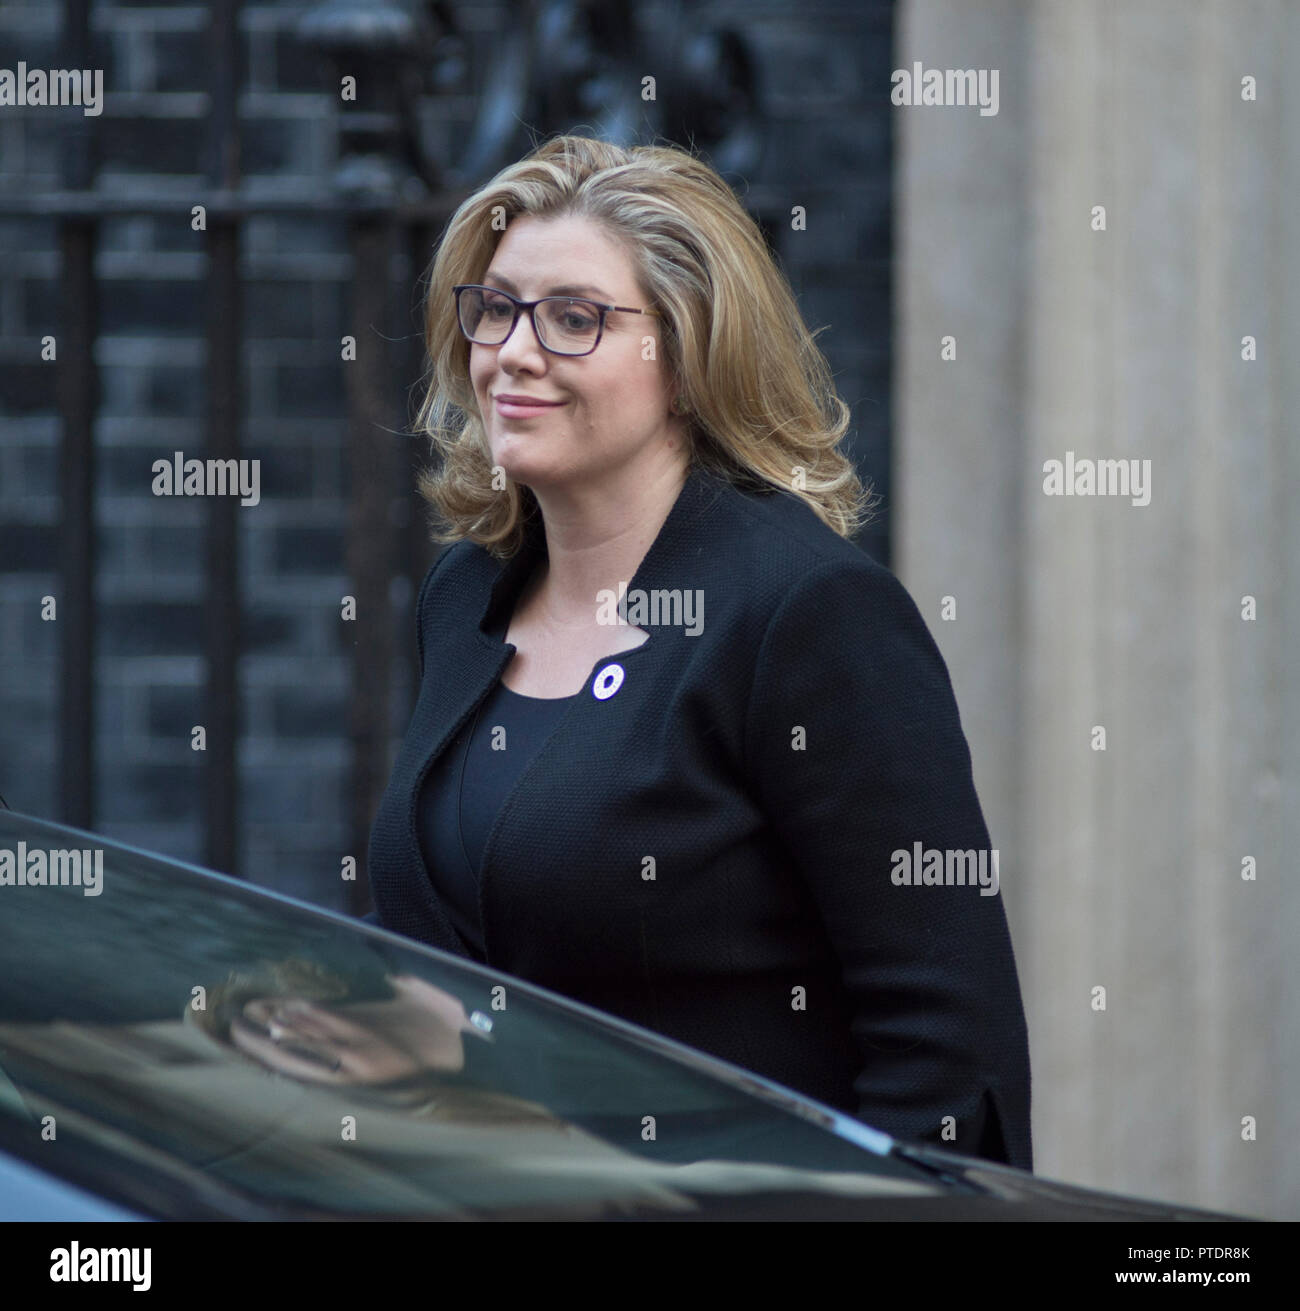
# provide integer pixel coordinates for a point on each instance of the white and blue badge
(607, 682)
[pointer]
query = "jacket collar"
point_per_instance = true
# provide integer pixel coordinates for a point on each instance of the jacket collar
(682, 541)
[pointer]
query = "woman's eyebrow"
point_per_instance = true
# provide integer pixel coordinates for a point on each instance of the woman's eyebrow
(569, 289)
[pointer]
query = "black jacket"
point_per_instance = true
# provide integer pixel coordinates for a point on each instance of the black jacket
(712, 851)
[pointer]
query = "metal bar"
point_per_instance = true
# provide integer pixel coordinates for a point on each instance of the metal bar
(372, 477)
(224, 388)
(418, 551)
(242, 204)
(150, 199)
(78, 401)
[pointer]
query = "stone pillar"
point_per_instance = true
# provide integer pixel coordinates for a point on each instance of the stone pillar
(1122, 867)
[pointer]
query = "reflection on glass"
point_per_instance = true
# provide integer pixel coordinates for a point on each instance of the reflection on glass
(186, 1025)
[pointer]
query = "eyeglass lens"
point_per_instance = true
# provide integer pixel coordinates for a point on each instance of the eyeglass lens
(564, 325)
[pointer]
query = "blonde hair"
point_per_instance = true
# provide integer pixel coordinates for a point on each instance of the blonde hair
(761, 403)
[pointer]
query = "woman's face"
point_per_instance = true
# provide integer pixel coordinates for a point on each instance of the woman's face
(613, 411)
(418, 1029)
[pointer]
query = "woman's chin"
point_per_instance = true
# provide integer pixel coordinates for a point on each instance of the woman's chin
(523, 466)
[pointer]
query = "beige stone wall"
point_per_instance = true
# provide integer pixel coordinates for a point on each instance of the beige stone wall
(1121, 868)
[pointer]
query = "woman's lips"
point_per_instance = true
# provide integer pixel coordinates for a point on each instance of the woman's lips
(524, 410)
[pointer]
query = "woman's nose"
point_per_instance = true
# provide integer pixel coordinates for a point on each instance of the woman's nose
(522, 342)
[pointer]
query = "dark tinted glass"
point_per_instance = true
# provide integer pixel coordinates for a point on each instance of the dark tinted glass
(99, 1027)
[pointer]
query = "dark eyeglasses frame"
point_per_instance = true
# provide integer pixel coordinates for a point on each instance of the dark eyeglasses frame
(531, 307)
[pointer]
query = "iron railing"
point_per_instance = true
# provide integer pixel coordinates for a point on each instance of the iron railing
(558, 66)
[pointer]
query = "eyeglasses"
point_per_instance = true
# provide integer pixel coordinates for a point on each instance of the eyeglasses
(564, 326)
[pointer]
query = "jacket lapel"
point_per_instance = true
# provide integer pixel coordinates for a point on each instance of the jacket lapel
(471, 659)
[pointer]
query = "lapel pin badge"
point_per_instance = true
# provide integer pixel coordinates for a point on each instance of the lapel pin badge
(607, 682)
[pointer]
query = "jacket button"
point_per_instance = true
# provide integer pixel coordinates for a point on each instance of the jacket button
(607, 682)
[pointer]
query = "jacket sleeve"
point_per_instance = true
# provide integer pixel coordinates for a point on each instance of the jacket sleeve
(855, 752)
(372, 916)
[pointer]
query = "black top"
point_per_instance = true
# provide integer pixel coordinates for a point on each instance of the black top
(714, 841)
(464, 789)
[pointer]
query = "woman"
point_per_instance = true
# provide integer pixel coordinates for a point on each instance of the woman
(677, 738)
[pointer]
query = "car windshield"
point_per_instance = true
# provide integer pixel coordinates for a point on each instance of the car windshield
(168, 1033)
